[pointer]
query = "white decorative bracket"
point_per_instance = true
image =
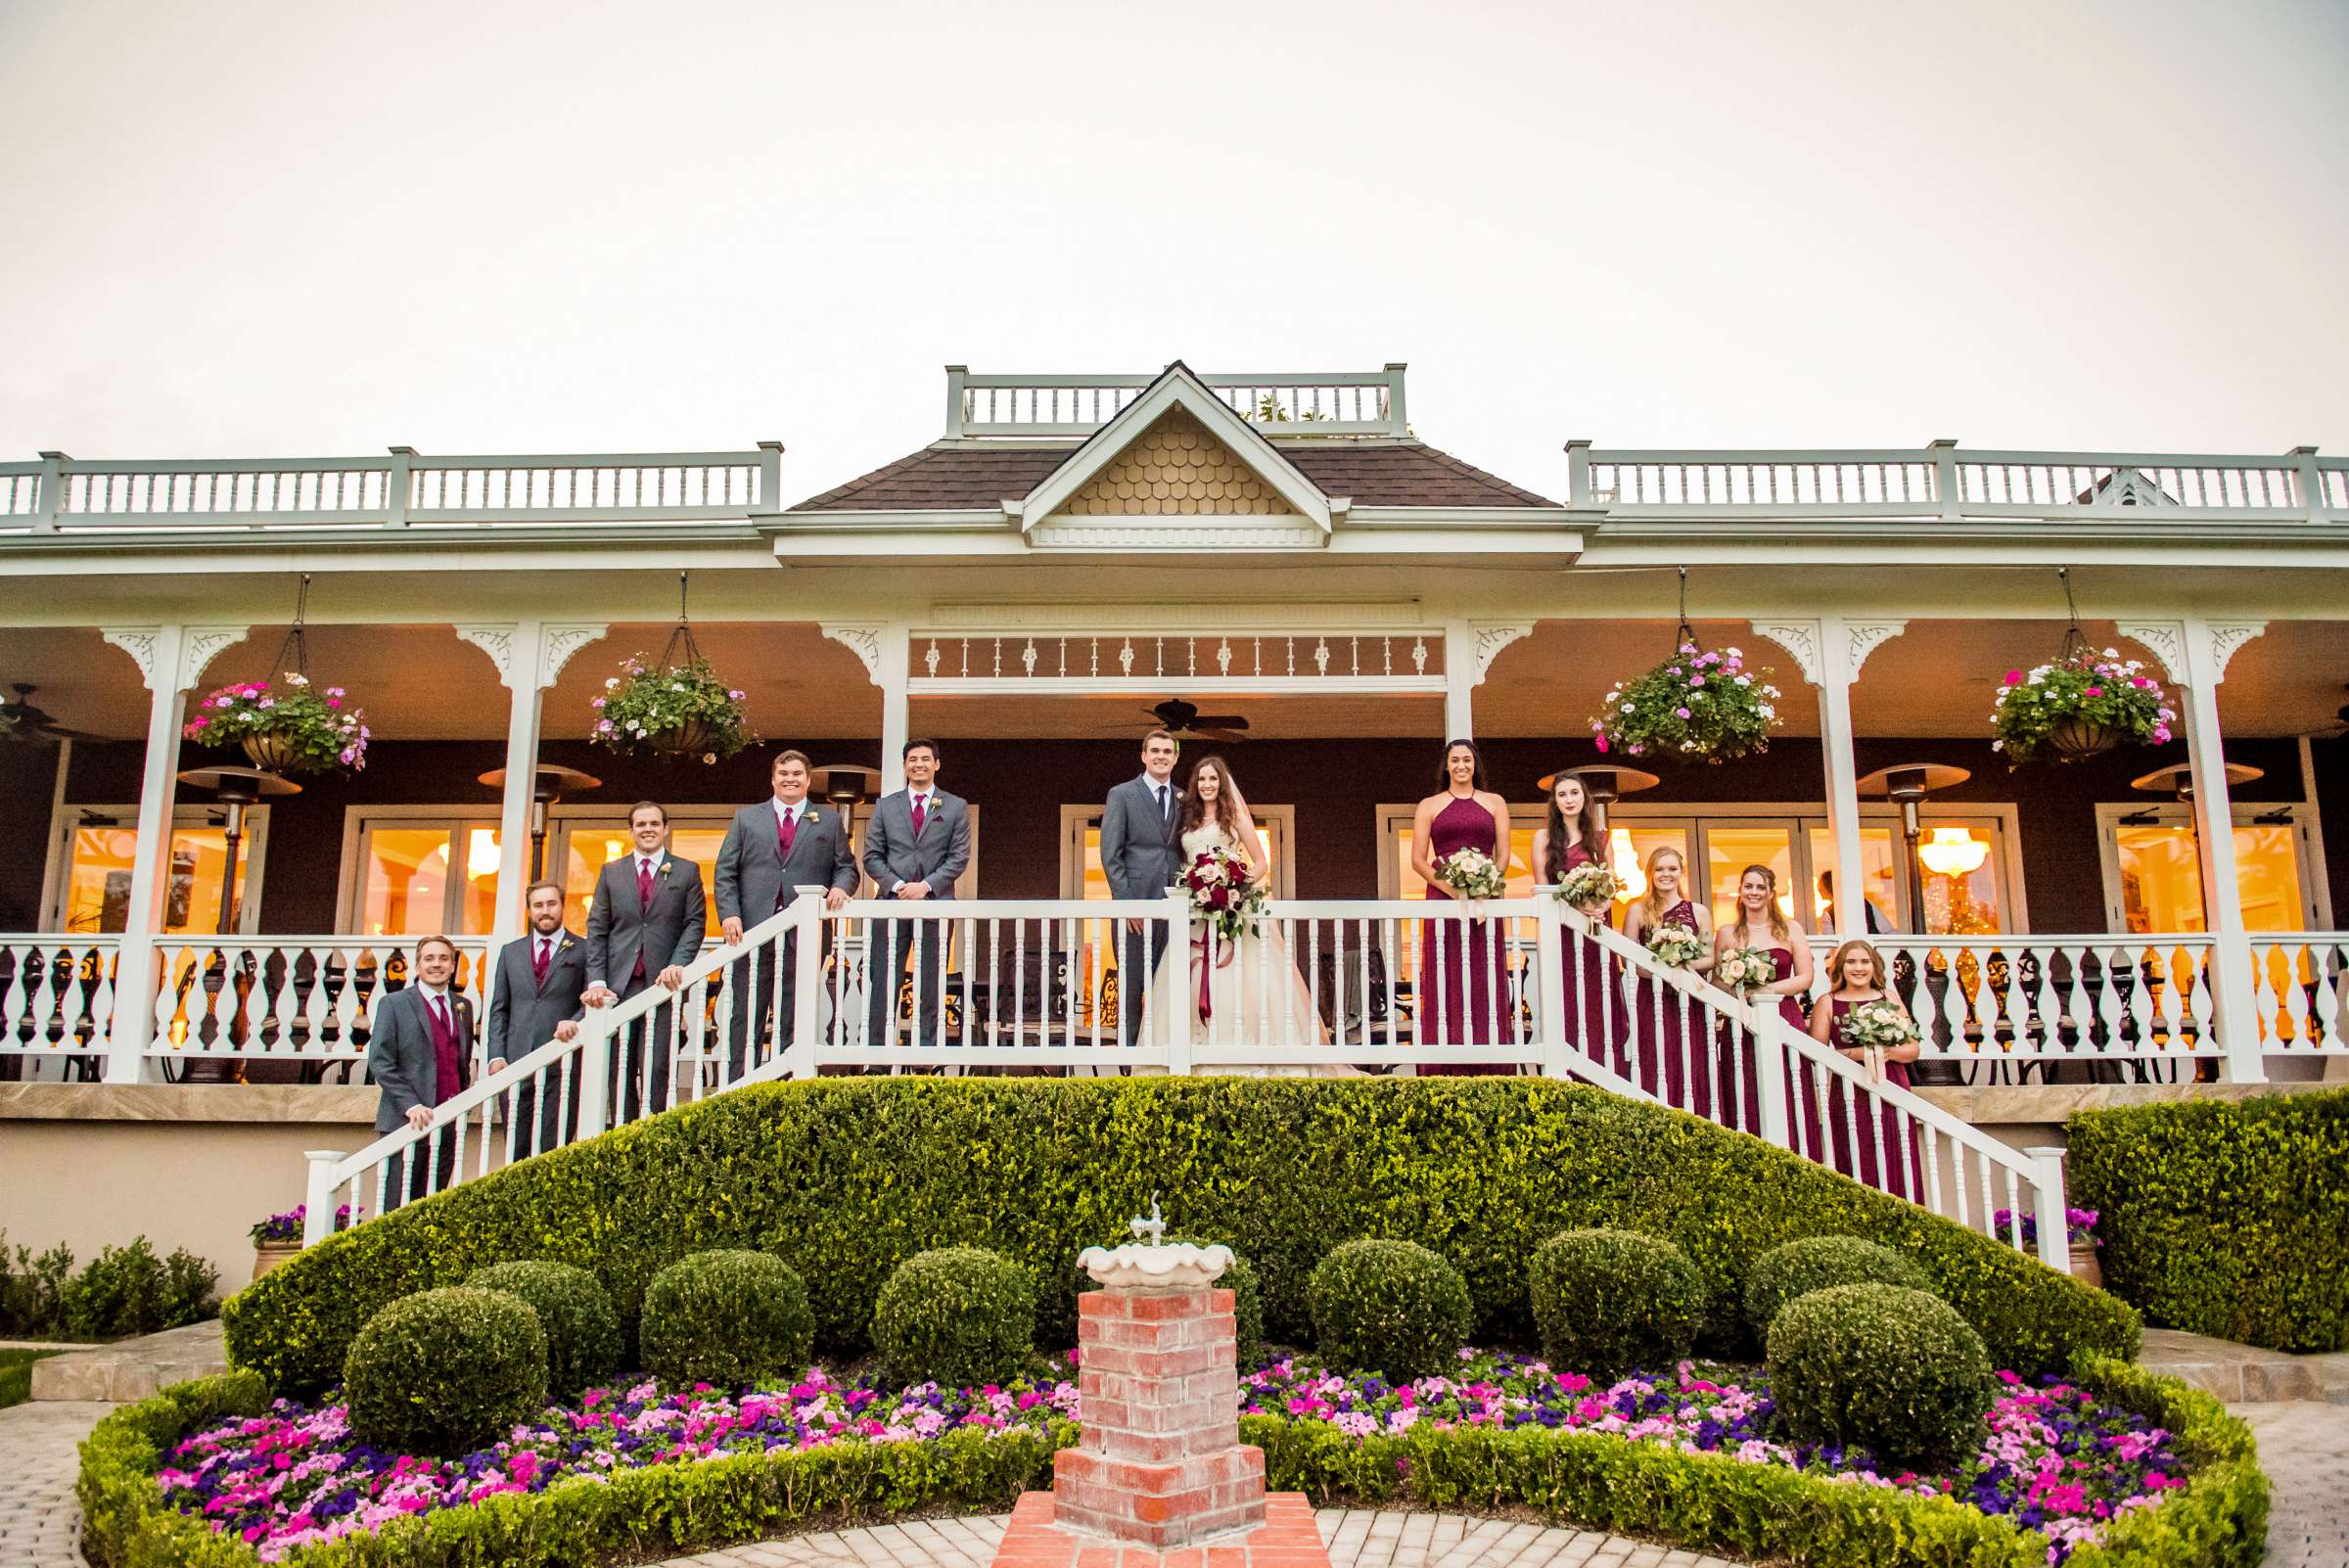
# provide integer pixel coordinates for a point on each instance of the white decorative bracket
(2165, 640)
(862, 641)
(1491, 637)
(199, 646)
(2174, 644)
(496, 641)
(1808, 642)
(557, 642)
(1867, 636)
(2228, 636)
(1801, 638)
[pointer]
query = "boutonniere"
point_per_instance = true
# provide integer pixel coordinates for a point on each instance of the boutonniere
(564, 945)
(815, 816)
(666, 866)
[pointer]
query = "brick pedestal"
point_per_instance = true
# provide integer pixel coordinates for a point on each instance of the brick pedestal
(1160, 1477)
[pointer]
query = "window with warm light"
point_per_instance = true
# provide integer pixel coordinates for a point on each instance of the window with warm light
(2159, 869)
(417, 877)
(589, 847)
(96, 891)
(1730, 850)
(1879, 885)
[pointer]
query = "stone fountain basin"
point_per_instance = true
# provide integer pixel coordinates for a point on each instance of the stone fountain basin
(1133, 1267)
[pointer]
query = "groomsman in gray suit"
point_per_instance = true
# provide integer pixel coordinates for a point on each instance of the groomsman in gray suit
(419, 1050)
(643, 928)
(1142, 855)
(541, 979)
(917, 842)
(785, 841)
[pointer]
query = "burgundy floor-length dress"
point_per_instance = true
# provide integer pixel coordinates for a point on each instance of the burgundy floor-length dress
(1900, 1169)
(1739, 1063)
(1663, 1062)
(1463, 994)
(1594, 1007)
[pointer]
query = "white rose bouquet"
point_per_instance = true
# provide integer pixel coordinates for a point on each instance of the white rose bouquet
(1675, 947)
(1879, 1026)
(1744, 969)
(1587, 885)
(1471, 874)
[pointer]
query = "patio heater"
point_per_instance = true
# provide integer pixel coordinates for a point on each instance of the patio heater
(547, 786)
(1908, 784)
(2178, 780)
(236, 790)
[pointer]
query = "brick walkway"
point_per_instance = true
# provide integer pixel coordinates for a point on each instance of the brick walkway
(41, 1524)
(2304, 1449)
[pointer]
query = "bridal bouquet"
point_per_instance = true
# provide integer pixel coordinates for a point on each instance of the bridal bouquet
(1879, 1026)
(1587, 885)
(1222, 894)
(1471, 874)
(1744, 969)
(1675, 947)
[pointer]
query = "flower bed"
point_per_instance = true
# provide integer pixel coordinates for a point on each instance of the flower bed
(2057, 1461)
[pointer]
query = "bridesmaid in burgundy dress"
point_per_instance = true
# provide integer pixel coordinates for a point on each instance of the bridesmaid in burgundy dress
(1855, 978)
(1761, 924)
(1660, 1013)
(1567, 841)
(1463, 998)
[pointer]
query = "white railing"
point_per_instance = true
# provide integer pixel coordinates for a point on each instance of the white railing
(287, 999)
(1321, 987)
(1940, 480)
(1254, 661)
(2039, 1001)
(1294, 404)
(2299, 980)
(61, 496)
(57, 1000)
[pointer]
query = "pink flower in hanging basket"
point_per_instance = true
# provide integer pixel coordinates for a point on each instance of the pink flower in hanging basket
(2014, 677)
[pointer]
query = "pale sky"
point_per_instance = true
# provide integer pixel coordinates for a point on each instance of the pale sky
(320, 228)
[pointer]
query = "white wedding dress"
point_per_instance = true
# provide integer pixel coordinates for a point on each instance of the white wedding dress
(1253, 995)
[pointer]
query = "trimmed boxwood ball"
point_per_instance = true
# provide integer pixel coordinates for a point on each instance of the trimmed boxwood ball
(959, 1317)
(582, 1327)
(1247, 1304)
(1391, 1308)
(1820, 1262)
(1895, 1370)
(443, 1372)
(1612, 1302)
(726, 1318)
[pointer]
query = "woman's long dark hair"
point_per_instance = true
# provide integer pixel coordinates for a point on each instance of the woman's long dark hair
(1194, 810)
(1586, 827)
(1444, 770)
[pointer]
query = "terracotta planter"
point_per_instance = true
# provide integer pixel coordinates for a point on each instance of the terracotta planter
(268, 1254)
(272, 752)
(2084, 1267)
(2075, 739)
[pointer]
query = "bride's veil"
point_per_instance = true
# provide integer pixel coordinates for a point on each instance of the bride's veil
(1249, 845)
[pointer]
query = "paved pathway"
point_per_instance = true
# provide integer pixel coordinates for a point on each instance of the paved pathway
(2304, 1447)
(40, 1523)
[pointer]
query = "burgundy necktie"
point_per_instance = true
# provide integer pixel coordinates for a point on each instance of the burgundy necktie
(441, 1022)
(919, 814)
(644, 883)
(538, 959)
(787, 828)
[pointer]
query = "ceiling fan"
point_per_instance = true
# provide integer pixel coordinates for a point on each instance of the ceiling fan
(20, 720)
(1182, 720)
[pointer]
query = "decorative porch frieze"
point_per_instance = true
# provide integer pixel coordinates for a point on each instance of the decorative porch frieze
(1492, 636)
(2171, 644)
(557, 642)
(2165, 640)
(199, 646)
(862, 641)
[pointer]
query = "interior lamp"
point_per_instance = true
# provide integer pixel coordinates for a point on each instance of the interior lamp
(1953, 852)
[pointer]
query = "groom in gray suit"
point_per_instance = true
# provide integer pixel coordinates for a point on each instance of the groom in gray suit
(643, 927)
(917, 842)
(1142, 855)
(785, 841)
(541, 979)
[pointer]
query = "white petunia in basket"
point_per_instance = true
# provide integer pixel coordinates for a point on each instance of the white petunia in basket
(1675, 947)
(1587, 885)
(1471, 874)
(1879, 1026)
(1744, 969)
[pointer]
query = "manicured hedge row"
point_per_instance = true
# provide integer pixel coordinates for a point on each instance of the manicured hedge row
(1709, 1502)
(2225, 1218)
(1700, 1501)
(845, 1179)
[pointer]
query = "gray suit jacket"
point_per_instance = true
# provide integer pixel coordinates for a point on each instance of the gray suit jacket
(522, 1013)
(1141, 853)
(620, 927)
(400, 1053)
(752, 873)
(894, 854)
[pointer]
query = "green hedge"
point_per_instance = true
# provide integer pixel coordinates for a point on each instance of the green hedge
(1700, 1501)
(847, 1178)
(2228, 1217)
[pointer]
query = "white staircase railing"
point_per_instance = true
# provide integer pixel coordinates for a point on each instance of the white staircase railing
(1329, 988)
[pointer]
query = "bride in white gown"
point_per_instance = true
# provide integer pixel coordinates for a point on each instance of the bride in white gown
(1251, 992)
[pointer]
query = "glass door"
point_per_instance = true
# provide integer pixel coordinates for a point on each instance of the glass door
(2153, 870)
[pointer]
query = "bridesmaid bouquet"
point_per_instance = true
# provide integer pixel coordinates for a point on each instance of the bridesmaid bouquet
(1744, 969)
(1221, 895)
(1879, 1026)
(1471, 874)
(1587, 885)
(1675, 947)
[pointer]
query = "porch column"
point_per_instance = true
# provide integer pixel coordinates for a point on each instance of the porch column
(2194, 653)
(882, 648)
(1469, 649)
(1830, 652)
(529, 656)
(172, 659)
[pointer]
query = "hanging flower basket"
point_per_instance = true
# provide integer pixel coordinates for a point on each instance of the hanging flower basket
(1695, 706)
(287, 727)
(671, 710)
(2083, 703)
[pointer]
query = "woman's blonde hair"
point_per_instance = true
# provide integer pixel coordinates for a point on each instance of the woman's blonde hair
(1835, 981)
(1652, 908)
(1778, 921)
